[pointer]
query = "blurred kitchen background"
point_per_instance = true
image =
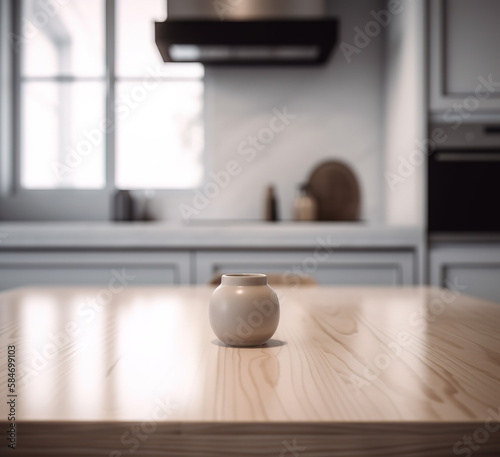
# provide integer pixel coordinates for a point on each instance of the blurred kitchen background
(353, 142)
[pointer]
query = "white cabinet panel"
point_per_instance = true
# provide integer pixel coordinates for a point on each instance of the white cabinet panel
(473, 267)
(471, 43)
(93, 268)
(339, 268)
(464, 53)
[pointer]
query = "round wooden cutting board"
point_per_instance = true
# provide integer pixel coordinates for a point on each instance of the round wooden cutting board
(336, 190)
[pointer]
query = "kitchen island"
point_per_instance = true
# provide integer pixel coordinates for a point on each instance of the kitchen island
(366, 371)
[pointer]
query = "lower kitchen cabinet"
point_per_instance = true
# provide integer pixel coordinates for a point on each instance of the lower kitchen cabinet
(93, 268)
(99, 267)
(474, 267)
(380, 268)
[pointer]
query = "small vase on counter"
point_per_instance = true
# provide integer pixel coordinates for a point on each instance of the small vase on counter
(244, 310)
(123, 206)
(271, 205)
(304, 205)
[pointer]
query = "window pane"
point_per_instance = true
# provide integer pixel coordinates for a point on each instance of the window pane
(136, 50)
(159, 140)
(62, 38)
(62, 139)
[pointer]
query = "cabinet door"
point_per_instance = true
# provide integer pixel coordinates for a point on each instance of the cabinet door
(338, 268)
(93, 268)
(473, 269)
(464, 56)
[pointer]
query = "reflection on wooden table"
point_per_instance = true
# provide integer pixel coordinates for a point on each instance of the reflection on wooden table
(401, 371)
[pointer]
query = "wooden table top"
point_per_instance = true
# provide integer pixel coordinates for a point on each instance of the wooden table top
(400, 359)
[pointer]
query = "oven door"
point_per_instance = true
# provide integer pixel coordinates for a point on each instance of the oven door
(464, 190)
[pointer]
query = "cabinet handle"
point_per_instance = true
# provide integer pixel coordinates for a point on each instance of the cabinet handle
(492, 130)
(468, 157)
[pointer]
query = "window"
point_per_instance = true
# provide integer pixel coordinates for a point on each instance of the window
(159, 135)
(98, 108)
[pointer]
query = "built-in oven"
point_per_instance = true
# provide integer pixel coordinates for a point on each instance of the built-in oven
(464, 178)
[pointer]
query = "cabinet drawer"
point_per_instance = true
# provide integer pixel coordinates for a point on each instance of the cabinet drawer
(475, 268)
(93, 268)
(338, 268)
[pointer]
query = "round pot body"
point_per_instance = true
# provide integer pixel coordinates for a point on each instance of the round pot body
(244, 310)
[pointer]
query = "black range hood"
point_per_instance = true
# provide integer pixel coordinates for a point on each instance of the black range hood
(247, 42)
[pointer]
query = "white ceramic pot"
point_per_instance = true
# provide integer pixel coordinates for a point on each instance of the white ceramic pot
(244, 310)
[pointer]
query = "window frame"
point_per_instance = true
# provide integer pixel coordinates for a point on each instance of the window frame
(6, 176)
(21, 204)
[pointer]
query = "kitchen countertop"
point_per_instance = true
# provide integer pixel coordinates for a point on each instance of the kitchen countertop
(386, 371)
(205, 235)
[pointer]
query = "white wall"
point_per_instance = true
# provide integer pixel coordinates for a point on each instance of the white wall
(340, 115)
(405, 128)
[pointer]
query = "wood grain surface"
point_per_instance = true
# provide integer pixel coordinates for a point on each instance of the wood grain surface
(366, 371)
